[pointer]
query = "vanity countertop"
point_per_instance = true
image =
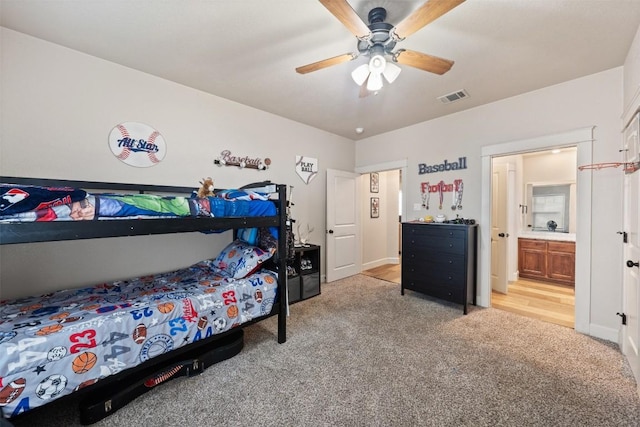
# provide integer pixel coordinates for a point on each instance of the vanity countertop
(548, 235)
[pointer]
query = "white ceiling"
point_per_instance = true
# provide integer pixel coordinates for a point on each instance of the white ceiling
(247, 50)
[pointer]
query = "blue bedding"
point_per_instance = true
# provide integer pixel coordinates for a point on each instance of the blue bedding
(28, 203)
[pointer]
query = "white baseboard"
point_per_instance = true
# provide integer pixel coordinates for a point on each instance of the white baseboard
(609, 334)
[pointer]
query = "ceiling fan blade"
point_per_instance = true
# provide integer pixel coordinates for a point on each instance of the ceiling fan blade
(425, 62)
(428, 12)
(325, 63)
(349, 18)
(364, 92)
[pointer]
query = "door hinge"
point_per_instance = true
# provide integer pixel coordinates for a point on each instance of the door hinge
(625, 236)
(624, 318)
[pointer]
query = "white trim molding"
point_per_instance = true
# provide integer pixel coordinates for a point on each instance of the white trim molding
(583, 139)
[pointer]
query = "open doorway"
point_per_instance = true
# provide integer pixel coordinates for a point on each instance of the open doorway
(533, 234)
(382, 211)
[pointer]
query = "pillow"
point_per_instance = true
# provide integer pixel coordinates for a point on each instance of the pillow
(239, 259)
(249, 235)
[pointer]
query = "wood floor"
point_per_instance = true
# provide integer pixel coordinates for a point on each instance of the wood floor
(388, 272)
(540, 300)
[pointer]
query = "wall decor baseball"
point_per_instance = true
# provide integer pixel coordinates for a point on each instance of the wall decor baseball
(137, 144)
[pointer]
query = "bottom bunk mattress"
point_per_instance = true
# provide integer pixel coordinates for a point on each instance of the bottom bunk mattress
(55, 344)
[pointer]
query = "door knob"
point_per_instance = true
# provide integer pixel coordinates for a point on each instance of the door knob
(330, 231)
(632, 264)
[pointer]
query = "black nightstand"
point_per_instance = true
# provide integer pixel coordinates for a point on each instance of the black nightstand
(305, 281)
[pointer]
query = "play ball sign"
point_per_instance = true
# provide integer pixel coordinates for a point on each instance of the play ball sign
(137, 144)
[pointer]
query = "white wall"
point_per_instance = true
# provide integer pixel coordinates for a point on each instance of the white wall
(631, 87)
(594, 100)
(58, 107)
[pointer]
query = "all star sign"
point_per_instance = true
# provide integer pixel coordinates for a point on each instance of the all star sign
(442, 167)
(137, 144)
(306, 168)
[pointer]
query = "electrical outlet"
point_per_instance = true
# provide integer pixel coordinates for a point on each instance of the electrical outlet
(417, 206)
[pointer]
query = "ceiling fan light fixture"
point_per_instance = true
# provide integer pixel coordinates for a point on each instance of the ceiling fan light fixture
(375, 82)
(360, 74)
(377, 64)
(391, 72)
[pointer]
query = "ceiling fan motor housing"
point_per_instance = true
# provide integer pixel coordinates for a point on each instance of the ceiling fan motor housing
(379, 34)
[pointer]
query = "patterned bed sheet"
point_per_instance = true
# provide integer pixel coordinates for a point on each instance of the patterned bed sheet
(58, 343)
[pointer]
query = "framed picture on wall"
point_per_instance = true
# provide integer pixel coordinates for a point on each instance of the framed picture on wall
(374, 180)
(375, 207)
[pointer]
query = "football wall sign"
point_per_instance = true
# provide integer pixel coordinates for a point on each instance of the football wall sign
(137, 144)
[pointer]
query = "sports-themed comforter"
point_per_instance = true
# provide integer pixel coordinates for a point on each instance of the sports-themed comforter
(25, 203)
(57, 343)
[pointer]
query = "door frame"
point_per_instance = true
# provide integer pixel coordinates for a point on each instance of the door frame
(394, 165)
(583, 139)
(401, 165)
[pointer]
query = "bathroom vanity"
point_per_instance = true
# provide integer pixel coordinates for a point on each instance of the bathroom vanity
(547, 257)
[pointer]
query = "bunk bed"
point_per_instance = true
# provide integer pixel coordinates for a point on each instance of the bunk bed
(171, 334)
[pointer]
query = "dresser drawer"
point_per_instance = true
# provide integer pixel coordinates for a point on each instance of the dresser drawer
(413, 244)
(434, 231)
(448, 278)
(438, 290)
(441, 267)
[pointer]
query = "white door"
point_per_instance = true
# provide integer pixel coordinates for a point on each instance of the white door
(631, 277)
(343, 225)
(499, 227)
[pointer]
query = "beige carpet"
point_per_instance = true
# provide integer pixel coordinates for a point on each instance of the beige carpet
(360, 354)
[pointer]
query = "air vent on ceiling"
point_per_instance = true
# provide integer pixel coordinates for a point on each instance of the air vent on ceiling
(453, 96)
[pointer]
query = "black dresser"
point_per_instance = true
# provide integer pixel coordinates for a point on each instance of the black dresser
(439, 260)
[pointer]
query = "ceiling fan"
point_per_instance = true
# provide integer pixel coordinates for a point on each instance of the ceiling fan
(378, 41)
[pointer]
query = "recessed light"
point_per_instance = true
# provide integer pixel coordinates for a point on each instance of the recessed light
(359, 130)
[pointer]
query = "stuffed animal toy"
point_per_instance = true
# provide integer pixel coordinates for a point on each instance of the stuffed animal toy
(206, 188)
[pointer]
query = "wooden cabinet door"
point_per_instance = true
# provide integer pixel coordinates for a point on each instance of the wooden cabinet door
(532, 258)
(561, 261)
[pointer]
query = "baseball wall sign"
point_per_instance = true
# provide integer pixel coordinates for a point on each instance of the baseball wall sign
(137, 144)
(306, 168)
